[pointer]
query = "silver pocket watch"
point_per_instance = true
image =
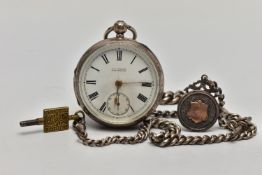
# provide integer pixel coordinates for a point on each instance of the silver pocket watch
(118, 81)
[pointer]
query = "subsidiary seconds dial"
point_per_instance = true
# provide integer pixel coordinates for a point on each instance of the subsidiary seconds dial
(118, 104)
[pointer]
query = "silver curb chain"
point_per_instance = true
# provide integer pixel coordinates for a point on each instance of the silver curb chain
(240, 128)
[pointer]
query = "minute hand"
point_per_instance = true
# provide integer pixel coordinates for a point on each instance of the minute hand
(143, 83)
(134, 82)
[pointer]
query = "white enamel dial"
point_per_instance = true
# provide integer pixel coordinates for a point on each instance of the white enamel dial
(118, 84)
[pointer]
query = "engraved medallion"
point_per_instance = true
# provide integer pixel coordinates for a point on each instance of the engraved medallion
(198, 111)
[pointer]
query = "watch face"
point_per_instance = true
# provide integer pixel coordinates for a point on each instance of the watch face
(118, 82)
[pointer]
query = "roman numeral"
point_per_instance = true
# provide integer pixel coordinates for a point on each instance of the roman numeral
(105, 58)
(143, 70)
(95, 68)
(146, 84)
(119, 55)
(103, 107)
(93, 95)
(133, 60)
(91, 82)
(142, 97)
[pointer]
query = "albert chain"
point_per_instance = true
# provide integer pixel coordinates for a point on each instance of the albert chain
(240, 128)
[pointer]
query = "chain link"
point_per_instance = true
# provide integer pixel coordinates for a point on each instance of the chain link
(80, 129)
(171, 98)
(241, 128)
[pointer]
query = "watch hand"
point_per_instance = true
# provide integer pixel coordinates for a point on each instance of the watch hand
(118, 84)
(136, 82)
(143, 83)
(131, 108)
(115, 101)
(118, 104)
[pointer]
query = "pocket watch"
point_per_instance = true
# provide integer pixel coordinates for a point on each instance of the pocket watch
(118, 81)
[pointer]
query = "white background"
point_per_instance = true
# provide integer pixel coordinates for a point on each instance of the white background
(42, 41)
